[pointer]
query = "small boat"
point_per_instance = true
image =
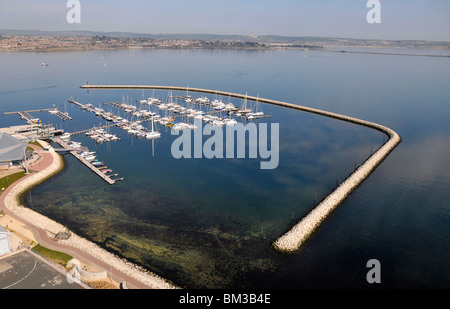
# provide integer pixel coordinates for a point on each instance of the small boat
(106, 171)
(87, 153)
(97, 163)
(65, 136)
(90, 158)
(152, 135)
(230, 122)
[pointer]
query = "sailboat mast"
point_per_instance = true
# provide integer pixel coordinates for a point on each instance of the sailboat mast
(152, 122)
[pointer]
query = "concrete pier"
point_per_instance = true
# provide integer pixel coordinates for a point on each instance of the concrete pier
(84, 161)
(29, 111)
(63, 116)
(300, 232)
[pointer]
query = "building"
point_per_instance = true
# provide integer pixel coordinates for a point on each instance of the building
(11, 150)
(4, 241)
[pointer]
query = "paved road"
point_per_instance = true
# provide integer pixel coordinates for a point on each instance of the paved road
(25, 271)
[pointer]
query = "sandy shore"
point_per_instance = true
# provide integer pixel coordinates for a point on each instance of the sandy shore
(46, 228)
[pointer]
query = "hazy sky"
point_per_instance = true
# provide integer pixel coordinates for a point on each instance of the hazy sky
(400, 19)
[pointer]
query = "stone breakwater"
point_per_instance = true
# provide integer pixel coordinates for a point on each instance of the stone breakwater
(299, 233)
(52, 227)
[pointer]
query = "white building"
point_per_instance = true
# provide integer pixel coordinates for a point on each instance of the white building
(4, 241)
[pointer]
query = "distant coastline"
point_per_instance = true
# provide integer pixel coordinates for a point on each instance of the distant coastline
(384, 53)
(57, 41)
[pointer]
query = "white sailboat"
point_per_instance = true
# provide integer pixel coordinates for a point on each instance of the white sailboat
(244, 109)
(153, 134)
(256, 113)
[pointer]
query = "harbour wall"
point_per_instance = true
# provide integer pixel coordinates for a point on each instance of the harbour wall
(293, 240)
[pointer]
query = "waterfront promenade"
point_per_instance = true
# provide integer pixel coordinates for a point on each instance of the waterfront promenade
(43, 229)
(300, 232)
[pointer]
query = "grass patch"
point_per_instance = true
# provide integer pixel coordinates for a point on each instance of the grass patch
(6, 181)
(36, 143)
(60, 258)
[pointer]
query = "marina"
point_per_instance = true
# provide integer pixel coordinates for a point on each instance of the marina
(87, 158)
(299, 233)
(171, 114)
(30, 119)
(211, 223)
(25, 115)
(214, 112)
(217, 113)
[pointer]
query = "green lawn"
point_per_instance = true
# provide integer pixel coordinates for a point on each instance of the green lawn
(6, 181)
(56, 256)
(36, 143)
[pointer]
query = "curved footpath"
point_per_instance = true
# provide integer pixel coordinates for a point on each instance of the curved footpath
(80, 248)
(299, 233)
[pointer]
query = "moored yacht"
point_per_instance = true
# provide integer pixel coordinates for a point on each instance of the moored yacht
(152, 134)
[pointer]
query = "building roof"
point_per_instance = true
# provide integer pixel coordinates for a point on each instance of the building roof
(3, 231)
(11, 149)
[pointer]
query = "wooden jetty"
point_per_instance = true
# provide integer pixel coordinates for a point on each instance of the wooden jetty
(75, 102)
(84, 161)
(260, 117)
(63, 116)
(83, 106)
(94, 128)
(29, 111)
(27, 117)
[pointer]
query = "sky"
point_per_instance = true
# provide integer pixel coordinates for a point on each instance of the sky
(400, 19)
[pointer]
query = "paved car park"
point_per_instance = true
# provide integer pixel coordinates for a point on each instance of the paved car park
(26, 271)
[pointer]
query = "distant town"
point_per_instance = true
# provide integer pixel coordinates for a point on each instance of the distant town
(35, 41)
(57, 43)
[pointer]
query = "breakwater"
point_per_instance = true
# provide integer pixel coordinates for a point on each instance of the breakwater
(300, 232)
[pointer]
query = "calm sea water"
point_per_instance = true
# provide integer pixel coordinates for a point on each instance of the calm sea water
(209, 223)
